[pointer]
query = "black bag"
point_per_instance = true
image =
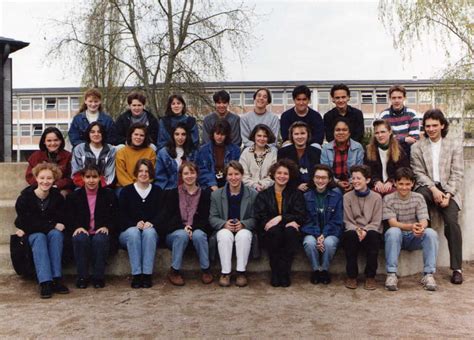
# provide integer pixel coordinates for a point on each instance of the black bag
(22, 257)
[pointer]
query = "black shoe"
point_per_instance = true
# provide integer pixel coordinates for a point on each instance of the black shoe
(275, 280)
(98, 283)
(285, 280)
(457, 278)
(46, 290)
(82, 283)
(147, 281)
(59, 287)
(315, 277)
(136, 281)
(325, 278)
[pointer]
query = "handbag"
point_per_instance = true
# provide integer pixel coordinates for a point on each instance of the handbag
(22, 256)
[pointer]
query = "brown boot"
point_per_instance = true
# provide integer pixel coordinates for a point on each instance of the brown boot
(206, 277)
(350, 283)
(175, 277)
(241, 280)
(224, 280)
(370, 284)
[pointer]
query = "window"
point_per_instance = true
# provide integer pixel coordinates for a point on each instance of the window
(63, 128)
(50, 103)
(425, 97)
(354, 98)
(367, 97)
(37, 129)
(49, 125)
(440, 98)
(14, 130)
(289, 98)
(323, 98)
(411, 97)
(381, 97)
(14, 105)
(235, 99)
(277, 98)
(25, 105)
(63, 104)
(74, 104)
(248, 98)
(25, 130)
(37, 104)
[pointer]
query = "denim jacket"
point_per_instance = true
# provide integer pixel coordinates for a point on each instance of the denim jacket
(164, 135)
(80, 123)
(166, 170)
(206, 163)
(333, 214)
(355, 156)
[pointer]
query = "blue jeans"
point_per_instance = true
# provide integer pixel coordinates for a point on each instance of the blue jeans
(178, 240)
(47, 254)
(141, 247)
(396, 239)
(330, 247)
(91, 248)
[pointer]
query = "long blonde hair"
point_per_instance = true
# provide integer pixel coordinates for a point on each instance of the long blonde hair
(393, 146)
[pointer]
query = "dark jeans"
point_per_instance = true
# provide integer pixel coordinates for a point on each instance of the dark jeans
(281, 243)
(93, 248)
(352, 245)
(452, 229)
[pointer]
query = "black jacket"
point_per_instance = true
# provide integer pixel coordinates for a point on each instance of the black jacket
(356, 122)
(124, 121)
(31, 219)
(293, 207)
(312, 153)
(376, 167)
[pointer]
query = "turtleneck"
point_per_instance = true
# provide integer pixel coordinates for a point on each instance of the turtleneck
(362, 193)
(383, 146)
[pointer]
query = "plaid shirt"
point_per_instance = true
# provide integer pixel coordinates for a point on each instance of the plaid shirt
(340, 161)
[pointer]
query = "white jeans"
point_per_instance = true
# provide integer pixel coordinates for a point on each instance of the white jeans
(225, 244)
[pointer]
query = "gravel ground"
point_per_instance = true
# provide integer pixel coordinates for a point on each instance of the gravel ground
(257, 311)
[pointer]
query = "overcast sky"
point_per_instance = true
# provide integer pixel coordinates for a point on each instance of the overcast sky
(297, 40)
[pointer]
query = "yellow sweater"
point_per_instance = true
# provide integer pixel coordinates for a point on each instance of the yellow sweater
(125, 161)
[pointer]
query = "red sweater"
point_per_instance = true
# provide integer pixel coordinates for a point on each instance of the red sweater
(63, 161)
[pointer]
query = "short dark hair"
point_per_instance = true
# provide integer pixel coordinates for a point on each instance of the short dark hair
(138, 126)
(148, 163)
(221, 96)
(329, 171)
(340, 87)
(404, 172)
(438, 115)
(221, 126)
(234, 165)
(362, 168)
(285, 163)
(269, 94)
(301, 89)
(179, 97)
(343, 120)
(58, 134)
(102, 131)
(398, 88)
(268, 131)
(90, 166)
(136, 95)
(299, 124)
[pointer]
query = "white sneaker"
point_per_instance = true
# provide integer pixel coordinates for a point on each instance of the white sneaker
(391, 283)
(429, 283)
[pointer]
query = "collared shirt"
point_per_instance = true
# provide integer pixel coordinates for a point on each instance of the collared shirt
(259, 158)
(341, 154)
(435, 151)
(188, 204)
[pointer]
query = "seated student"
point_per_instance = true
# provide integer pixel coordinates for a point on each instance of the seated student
(94, 151)
(180, 148)
(384, 155)
(221, 102)
(300, 151)
(363, 227)
(136, 113)
(258, 158)
(186, 219)
(213, 157)
(340, 95)
(303, 113)
(324, 226)
(40, 218)
(280, 211)
(140, 210)
(51, 150)
(260, 115)
(138, 147)
(342, 154)
(91, 222)
(232, 217)
(407, 216)
(91, 111)
(176, 113)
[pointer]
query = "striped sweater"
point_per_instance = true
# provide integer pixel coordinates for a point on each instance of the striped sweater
(404, 124)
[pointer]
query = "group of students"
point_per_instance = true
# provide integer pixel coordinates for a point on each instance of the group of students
(139, 182)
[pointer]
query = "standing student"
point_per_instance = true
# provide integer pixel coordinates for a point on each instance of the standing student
(324, 226)
(92, 212)
(232, 217)
(280, 211)
(91, 111)
(51, 150)
(438, 164)
(260, 115)
(176, 113)
(301, 112)
(180, 148)
(340, 96)
(140, 208)
(363, 227)
(221, 102)
(40, 219)
(136, 113)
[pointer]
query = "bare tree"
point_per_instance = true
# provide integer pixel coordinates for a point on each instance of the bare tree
(161, 46)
